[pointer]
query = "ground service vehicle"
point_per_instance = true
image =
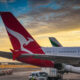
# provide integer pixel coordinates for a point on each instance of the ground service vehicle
(38, 76)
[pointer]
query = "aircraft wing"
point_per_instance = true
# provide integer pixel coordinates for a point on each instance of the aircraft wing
(6, 54)
(55, 58)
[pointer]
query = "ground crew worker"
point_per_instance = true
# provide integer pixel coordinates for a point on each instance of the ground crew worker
(32, 78)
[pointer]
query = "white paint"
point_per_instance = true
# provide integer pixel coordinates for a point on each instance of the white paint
(21, 39)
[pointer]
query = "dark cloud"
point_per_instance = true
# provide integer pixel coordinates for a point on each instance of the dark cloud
(48, 19)
(5, 1)
(62, 3)
(65, 6)
(68, 2)
(38, 2)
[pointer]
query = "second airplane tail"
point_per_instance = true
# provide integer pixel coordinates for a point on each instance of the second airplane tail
(55, 42)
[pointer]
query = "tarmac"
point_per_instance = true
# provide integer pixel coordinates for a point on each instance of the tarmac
(22, 74)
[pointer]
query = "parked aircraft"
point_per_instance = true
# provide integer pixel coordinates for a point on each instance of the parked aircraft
(27, 50)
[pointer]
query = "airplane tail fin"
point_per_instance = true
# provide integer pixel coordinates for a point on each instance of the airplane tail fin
(20, 38)
(54, 42)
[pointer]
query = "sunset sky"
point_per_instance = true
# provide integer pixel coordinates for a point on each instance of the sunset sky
(43, 19)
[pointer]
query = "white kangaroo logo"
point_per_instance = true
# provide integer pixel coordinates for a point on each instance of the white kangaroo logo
(21, 39)
(28, 41)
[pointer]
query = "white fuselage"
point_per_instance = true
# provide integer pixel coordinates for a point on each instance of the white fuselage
(62, 51)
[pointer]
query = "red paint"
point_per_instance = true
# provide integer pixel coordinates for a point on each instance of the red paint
(12, 23)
